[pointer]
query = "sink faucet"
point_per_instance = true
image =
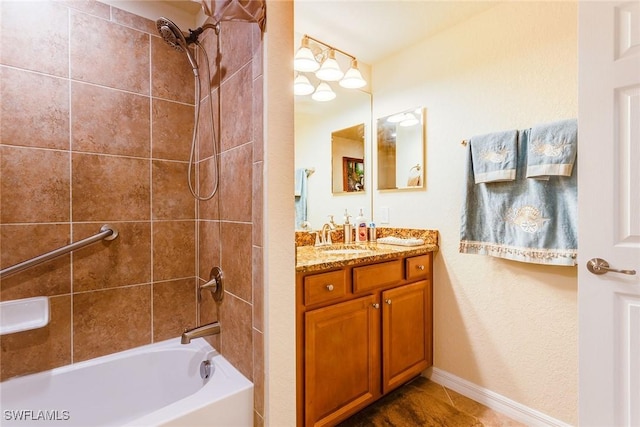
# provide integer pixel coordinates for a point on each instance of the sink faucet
(200, 331)
(323, 238)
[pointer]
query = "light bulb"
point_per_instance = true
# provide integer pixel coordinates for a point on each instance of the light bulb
(330, 70)
(305, 60)
(302, 85)
(352, 78)
(323, 93)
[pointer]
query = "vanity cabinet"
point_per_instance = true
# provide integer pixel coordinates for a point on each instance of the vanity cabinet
(362, 331)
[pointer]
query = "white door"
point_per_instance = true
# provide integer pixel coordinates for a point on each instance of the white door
(609, 212)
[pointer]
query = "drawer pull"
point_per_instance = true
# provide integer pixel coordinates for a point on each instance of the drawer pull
(329, 287)
(420, 267)
(388, 301)
(375, 305)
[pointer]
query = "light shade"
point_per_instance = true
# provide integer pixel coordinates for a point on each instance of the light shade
(305, 60)
(409, 120)
(323, 93)
(302, 85)
(330, 70)
(352, 78)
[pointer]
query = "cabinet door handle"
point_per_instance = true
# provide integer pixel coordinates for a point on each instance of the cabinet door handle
(420, 267)
(388, 301)
(329, 287)
(375, 305)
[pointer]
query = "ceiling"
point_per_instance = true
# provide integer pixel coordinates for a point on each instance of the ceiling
(371, 30)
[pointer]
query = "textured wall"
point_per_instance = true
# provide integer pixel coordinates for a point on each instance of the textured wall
(506, 326)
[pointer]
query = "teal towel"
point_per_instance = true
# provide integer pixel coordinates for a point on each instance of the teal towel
(494, 156)
(526, 220)
(553, 148)
(300, 193)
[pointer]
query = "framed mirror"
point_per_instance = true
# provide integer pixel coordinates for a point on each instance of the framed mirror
(401, 150)
(347, 159)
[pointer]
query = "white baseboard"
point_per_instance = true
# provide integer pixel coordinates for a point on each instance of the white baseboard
(495, 401)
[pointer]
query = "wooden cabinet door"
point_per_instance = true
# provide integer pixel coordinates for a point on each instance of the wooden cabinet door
(341, 359)
(406, 333)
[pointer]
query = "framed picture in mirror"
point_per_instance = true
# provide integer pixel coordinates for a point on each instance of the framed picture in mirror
(352, 174)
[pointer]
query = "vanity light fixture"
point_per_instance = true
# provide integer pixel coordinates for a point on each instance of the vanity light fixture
(321, 59)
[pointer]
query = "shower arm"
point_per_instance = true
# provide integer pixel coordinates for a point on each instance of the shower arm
(193, 34)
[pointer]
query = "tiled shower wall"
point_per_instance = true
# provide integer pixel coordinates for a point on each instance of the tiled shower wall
(96, 120)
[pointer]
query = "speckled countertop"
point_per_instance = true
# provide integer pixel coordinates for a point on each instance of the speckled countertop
(311, 258)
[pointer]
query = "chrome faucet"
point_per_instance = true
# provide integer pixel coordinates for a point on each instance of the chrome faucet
(200, 331)
(323, 237)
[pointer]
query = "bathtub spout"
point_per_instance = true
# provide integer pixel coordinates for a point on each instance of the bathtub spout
(200, 331)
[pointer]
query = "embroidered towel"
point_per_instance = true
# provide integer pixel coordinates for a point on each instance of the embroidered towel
(494, 156)
(526, 220)
(552, 150)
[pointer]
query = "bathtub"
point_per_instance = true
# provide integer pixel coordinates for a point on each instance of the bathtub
(155, 385)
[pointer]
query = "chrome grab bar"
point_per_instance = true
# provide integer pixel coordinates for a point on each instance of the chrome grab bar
(107, 232)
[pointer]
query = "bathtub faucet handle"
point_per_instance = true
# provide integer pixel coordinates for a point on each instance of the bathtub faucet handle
(215, 285)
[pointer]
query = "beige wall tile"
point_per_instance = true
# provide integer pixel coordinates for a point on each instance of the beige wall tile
(109, 321)
(172, 77)
(39, 349)
(174, 308)
(99, 48)
(107, 188)
(236, 113)
(170, 191)
(31, 192)
(172, 130)
(123, 128)
(236, 180)
(22, 242)
(124, 261)
(236, 256)
(35, 36)
(34, 118)
(174, 254)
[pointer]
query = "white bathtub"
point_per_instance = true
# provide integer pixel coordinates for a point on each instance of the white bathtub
(154, 385)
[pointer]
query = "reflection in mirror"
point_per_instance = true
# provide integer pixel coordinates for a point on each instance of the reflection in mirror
(347, 159)
(315, 124)
(401, 148)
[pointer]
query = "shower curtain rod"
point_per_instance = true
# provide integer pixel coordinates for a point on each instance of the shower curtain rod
(107, 232)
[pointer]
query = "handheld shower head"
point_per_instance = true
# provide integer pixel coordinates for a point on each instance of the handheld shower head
(174, 37)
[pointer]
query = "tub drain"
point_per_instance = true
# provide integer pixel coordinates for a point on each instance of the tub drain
(205, 369)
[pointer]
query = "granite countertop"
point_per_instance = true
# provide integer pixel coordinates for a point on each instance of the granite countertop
(312, 258)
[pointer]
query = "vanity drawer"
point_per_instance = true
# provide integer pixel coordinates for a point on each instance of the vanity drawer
(418, 266)
(325, 287)
(377, 275)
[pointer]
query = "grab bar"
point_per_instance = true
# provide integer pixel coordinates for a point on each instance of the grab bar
(107, 232)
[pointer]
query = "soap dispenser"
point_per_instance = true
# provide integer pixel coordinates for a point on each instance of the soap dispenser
(361, 228)
(347, 231)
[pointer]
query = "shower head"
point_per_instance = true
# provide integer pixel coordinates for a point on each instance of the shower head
(171, 34)
(174, 37)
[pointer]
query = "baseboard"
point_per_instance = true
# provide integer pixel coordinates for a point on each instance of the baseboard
(495, 401)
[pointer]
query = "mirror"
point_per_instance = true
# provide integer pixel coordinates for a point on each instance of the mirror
(401, 150)
(317, 125)
(347, 159)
